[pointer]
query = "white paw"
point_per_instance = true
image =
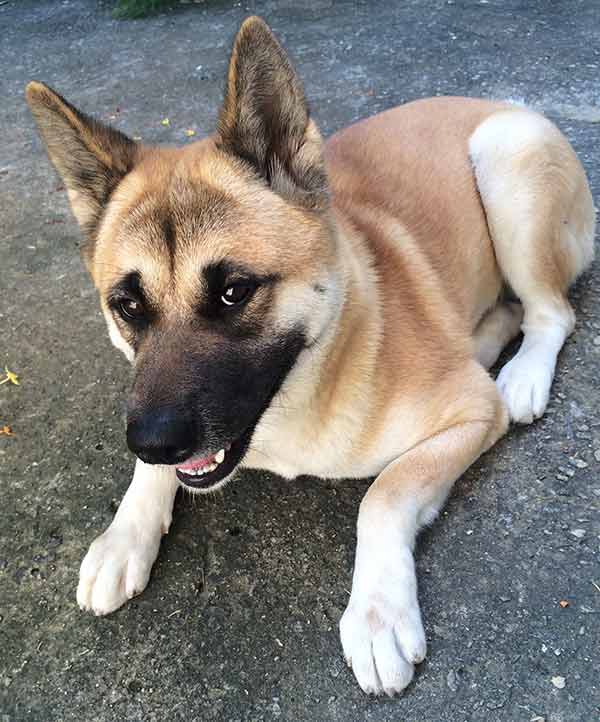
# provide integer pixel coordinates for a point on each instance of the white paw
(382, 642)
(116, 567)
(524, 384)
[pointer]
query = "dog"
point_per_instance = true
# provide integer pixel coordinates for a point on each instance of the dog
(329, 309)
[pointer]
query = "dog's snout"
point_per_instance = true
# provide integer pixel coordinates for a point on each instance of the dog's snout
(162, 436)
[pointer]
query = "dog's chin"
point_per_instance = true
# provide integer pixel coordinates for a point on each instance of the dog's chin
(204, 473)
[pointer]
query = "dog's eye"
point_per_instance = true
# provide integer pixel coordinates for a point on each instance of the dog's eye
(131, 310)
(236, 293)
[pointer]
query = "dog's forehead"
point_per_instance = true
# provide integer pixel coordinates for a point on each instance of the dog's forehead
(183, 210)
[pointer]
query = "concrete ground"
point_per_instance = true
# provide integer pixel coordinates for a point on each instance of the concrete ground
(239, 620)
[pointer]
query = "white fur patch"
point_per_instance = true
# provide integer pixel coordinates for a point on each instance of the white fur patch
(118, 563)
(117, 339)
(524, 382)
(381, 630)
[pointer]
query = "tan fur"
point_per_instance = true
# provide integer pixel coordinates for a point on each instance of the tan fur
(396, 268)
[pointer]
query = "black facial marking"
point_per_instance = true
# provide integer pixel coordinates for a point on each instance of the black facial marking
(221, 389)
(169, 234)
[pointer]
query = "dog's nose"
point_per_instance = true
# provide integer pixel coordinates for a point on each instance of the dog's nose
(161, 436)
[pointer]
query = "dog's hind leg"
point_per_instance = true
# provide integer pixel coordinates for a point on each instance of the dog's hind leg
(541, 219)
(495, 330)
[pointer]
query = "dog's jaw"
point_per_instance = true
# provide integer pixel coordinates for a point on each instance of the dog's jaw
(208, 473)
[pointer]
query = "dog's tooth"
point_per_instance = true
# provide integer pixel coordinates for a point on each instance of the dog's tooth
(219, 456)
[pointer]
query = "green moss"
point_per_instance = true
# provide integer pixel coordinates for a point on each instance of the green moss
(140, 8)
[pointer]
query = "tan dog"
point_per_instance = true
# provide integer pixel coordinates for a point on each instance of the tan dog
(324, 309)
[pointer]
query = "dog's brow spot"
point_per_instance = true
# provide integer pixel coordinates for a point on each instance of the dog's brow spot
(168, 229)
(319, 288)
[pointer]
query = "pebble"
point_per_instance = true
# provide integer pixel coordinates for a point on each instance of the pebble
(597, 341)
(597, 454)
(559, 682)
(579, 533)
(452, 681)
(579, 463)
(537, 718)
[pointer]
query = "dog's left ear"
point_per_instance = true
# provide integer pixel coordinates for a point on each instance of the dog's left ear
(265, 119)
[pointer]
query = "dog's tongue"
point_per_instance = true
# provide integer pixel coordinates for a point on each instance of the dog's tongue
(194, 464)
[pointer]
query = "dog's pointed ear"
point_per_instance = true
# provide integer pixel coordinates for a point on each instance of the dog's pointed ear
(265, 119)
(90, 157)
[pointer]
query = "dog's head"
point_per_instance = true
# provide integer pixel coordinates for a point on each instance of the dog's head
(215, 263)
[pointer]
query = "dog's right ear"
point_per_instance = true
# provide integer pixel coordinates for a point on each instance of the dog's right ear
(91, 157)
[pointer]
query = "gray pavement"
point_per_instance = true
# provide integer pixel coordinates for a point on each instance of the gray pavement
(239, 621)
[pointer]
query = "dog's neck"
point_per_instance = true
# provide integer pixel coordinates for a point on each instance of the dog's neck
(330, 379)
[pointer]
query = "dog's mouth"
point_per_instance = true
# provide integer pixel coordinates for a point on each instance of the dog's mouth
(203, 473)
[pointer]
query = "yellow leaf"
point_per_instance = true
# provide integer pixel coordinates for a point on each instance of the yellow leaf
(6, 431)
(189, 132)
(10, 376)
(165, 121)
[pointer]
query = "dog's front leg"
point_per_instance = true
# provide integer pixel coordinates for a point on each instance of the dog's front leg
(118, 563)
(381, 629)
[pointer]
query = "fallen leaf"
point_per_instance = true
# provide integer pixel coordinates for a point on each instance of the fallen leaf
(137, 137)
(189, 132)
(559, 682)
(165, 121)
(10, 376)
(6, 430)
(563, 603)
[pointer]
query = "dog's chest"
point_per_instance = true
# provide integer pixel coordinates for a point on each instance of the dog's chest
(303, 445)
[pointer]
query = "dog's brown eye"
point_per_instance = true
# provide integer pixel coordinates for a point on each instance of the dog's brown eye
(236, 293)
(131, 309)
